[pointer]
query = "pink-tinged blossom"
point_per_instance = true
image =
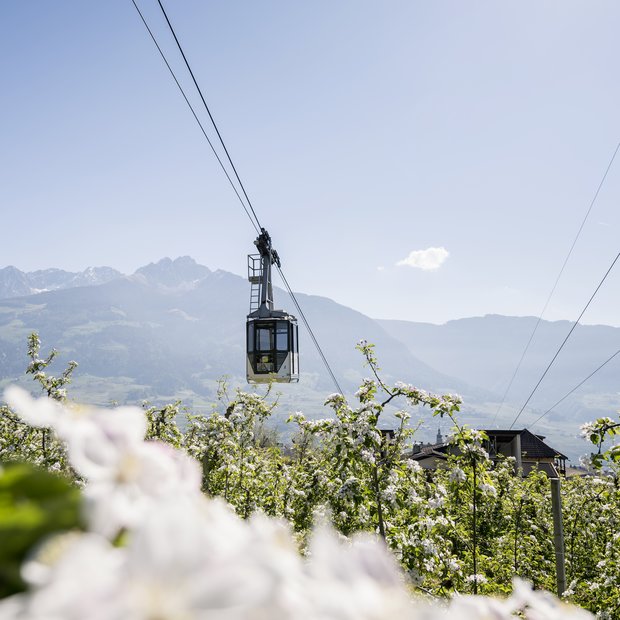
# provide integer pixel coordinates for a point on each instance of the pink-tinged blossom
(74, 577)
(355, 580)
(124, 474)
(134, 480)
(41, 412)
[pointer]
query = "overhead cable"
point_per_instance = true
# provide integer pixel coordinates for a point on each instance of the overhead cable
(566, 339)
(570, 251)
(217, 131)
(303, 318)
(574, 389)
(253, 217)
(204, 133)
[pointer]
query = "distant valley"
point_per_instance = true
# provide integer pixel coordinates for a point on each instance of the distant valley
(173, 328)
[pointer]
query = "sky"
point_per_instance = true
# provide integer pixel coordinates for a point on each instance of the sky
(413, 160)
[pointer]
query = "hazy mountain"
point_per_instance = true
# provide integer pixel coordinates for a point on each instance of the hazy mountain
(182, 272)
(485, 351)
(17, 283)
(175, 327)
(13, 283)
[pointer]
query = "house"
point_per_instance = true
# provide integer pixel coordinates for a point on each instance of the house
(529, 450)
(431, 455)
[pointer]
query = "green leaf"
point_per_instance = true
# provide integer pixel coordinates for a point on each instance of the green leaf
(33, 505)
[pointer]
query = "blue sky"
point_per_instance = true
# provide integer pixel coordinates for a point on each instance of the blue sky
(364, 131)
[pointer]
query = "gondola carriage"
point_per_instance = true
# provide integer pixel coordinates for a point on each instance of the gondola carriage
(271, 335)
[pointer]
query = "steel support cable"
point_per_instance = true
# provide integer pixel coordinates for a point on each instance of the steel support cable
(219, 135)
(204, 133)
(565, 339)
(570, 251)
(303, 318)
(256, 224)
(574, 389)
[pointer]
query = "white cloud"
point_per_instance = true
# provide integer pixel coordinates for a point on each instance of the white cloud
(429, 259)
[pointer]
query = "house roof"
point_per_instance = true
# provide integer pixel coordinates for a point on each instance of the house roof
(547, 468)
(532, 445)
(438, 449)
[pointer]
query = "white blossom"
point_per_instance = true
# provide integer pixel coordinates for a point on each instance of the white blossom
(488, 489)
(457, 475)
(184, 556)
(124, 473)
(478, 578)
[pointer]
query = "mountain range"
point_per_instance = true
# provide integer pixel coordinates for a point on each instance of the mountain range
(17, 283)
(174, 328)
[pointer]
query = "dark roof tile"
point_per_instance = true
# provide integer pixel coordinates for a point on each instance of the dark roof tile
(532, 445)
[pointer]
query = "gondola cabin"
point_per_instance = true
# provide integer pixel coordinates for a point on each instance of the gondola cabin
(271, 335)
(272, 346)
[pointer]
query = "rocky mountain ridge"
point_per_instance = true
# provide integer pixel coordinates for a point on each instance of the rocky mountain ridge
(181, 273)
(17, 283)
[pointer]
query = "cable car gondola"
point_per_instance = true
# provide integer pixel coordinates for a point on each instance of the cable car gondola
(271, 335)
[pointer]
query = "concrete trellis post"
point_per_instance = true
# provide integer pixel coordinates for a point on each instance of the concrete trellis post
(558, 535)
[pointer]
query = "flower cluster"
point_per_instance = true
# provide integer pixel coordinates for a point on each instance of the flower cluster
(472, 526)
(182, 555)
